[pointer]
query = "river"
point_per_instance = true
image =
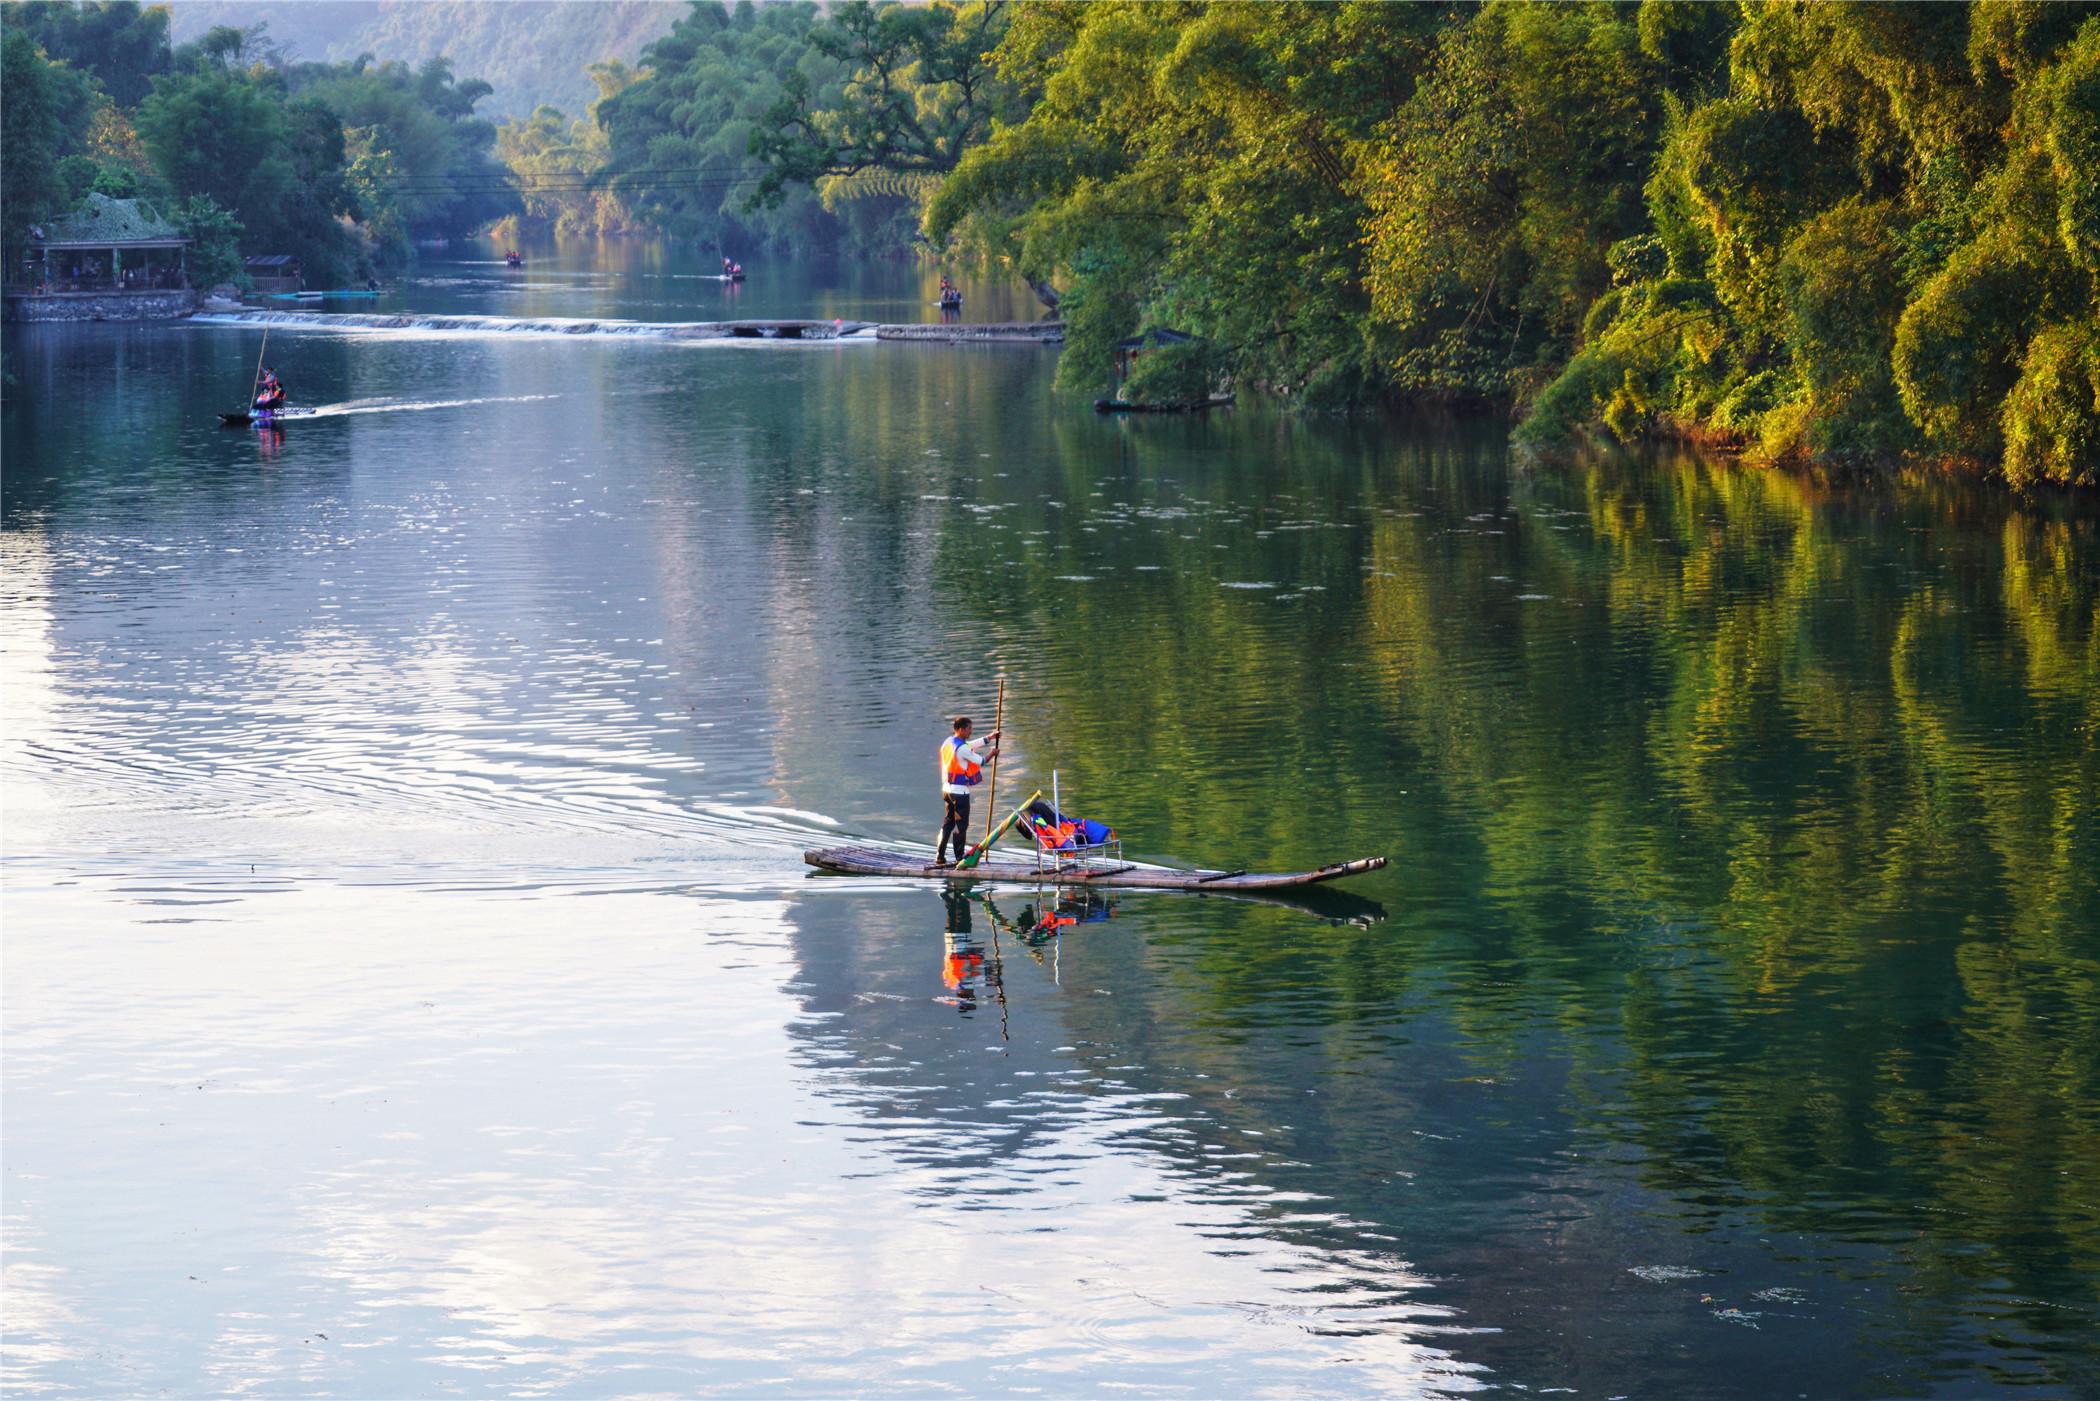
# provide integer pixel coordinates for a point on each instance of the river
(414, 987)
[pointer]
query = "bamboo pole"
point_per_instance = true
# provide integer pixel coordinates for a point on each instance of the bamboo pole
(991, 789)
(265, 350)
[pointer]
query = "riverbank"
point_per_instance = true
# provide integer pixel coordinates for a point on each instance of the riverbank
(1837, 467)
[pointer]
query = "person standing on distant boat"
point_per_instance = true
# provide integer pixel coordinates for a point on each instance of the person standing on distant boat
(962, 769)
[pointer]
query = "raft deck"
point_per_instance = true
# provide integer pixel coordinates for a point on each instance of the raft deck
(869, 861)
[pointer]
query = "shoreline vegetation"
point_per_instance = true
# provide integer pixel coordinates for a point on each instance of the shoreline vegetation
(1824, 234)
(246, 151)
(1839, 235)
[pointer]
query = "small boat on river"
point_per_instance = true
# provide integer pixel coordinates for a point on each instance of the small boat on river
(873, 861)
(265, 416)
(1066, 850)
(1063, 849)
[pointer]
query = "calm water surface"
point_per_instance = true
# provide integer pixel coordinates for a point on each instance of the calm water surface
(413, 985)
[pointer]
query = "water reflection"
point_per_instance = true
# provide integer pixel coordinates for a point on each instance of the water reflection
(550, 1157)
(963, 967)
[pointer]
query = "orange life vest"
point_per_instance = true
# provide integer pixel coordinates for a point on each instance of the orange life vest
(1060, 836)
(955, 767)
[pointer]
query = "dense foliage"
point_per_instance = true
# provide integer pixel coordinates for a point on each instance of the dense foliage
(120, 45)
(786, 124)
(341, 165)
(1817, 230)
(1878, 234)
(1199, 167)
(678, 138)
(429, 163)
(558, 164)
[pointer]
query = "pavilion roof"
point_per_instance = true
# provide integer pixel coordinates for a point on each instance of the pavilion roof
(102, 222)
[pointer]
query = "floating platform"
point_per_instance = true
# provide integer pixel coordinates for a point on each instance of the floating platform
(871, 861)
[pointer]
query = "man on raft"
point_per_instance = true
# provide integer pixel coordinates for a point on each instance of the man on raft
(962, 769)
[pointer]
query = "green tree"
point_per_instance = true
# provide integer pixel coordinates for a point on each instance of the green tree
(221, 134)
(230, 135)
(918, 90)
(39, 112)
(449, 179)
(122, 44)
(677, 138)
(2052, 413)
(214, 256)
(373, 177)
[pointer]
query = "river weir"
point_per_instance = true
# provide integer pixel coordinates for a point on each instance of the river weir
(773, 329)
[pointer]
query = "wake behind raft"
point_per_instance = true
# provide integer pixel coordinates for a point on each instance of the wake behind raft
(1069, 851)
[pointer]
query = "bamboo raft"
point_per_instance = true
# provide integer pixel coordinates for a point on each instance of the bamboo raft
(871, 861)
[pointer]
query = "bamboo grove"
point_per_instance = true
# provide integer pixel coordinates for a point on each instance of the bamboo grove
(1840, 232)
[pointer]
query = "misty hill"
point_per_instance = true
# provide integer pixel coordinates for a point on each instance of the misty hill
(532, 51)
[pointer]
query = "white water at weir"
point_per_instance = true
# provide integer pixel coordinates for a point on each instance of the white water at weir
(417, 323)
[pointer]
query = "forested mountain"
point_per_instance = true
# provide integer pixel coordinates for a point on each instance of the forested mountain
(529, 52)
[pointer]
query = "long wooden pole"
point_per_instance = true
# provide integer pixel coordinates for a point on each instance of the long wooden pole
(265, 350)
(991, 789)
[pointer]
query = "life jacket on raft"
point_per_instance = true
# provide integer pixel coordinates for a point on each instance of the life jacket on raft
(1056, 831)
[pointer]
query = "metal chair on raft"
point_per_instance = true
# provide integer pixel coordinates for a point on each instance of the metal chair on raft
(1064, 843)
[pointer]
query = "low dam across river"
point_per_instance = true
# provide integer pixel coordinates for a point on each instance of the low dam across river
(1024, 332)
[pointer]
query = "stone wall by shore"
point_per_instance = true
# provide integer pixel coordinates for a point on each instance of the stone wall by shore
(100, 306)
